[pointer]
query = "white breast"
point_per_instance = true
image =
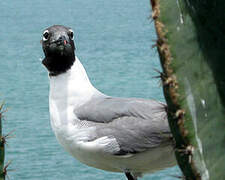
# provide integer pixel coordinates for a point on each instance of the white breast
(68, 91)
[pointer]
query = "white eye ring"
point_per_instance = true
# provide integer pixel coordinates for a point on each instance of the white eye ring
(71, 34)
(45, 35)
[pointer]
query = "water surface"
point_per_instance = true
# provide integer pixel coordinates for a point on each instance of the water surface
(113, 41)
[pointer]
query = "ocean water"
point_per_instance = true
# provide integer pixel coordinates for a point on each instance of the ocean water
(113, 41)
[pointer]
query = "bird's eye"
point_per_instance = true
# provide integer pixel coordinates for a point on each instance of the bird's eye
(71, 34)
(45, 35)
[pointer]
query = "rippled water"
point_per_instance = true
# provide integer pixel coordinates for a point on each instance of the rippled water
(113, 41)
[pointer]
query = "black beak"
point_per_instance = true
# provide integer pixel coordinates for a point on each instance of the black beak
(62, 40)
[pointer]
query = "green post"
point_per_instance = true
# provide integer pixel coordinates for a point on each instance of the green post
(191, 46)
(2, 148)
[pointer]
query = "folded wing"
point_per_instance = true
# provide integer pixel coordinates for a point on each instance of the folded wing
(135, 125)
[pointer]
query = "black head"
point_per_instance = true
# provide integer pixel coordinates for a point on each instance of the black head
(59, 49)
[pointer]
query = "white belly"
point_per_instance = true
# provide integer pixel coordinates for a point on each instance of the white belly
(91, 154)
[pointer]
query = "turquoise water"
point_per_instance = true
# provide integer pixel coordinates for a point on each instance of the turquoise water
(113, 41)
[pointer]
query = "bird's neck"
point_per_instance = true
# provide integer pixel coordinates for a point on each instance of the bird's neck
(73, 84)
(70, 90)
(58, 64)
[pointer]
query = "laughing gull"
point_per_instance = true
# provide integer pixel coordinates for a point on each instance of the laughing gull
(129, 135)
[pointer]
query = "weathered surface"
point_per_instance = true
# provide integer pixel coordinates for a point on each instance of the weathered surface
(2, 148)
(191, 48)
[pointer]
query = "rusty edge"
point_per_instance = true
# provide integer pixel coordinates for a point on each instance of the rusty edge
(2, 144)
(170, 85)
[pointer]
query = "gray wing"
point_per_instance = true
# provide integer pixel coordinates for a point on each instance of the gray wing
(136, 124)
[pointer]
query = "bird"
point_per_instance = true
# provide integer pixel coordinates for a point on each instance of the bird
(126, 135)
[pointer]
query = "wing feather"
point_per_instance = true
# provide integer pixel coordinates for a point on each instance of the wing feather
(136, 124)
